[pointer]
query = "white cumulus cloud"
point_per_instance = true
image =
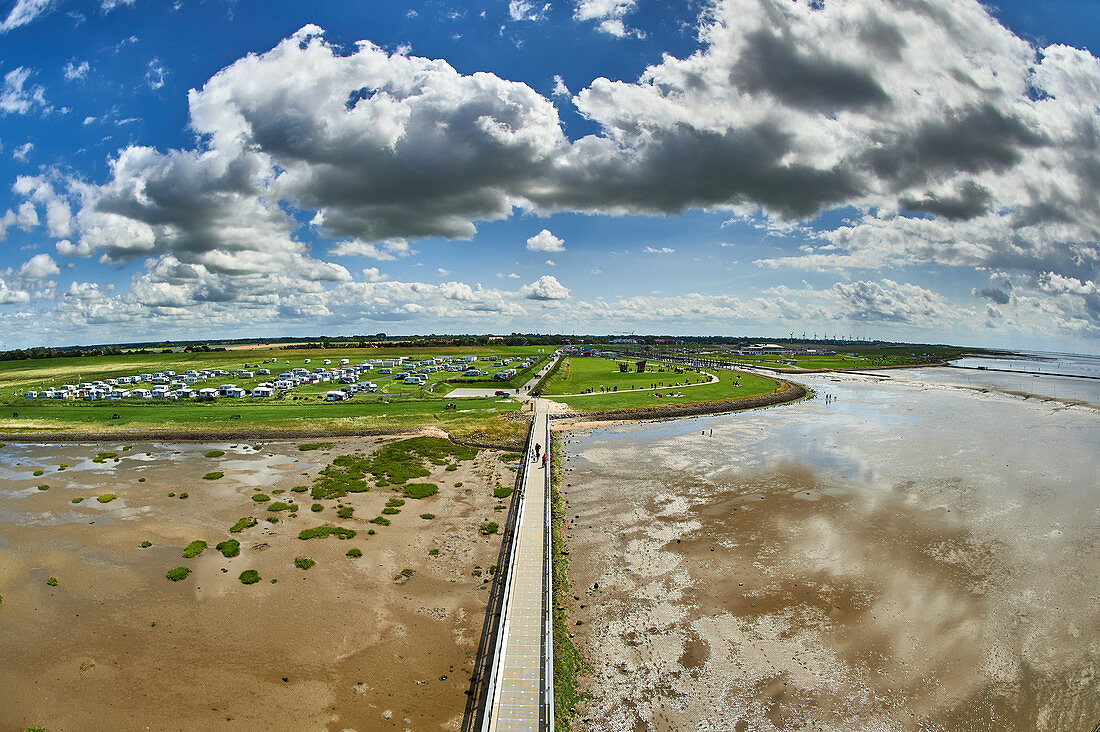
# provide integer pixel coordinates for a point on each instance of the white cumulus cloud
(544, 241)
(546, 287)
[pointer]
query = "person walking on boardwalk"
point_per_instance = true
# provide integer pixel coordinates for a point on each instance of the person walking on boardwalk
(545, 459)
(538, 448)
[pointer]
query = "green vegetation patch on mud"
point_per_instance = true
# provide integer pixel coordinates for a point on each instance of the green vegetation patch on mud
(249, 577)
(489, 528)
(315, 446)
(354, 553)
(282, 506)
(194, 549)
(420, 490)
(320, 532)
(178, 573)
(568, 662)
(404, 460)
(106, 497)
(213, 476)
(345, 475)
(245, 523)
(303, 562)
(229, 548)
(215, 453)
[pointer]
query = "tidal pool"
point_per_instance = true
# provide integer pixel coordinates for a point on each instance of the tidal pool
(905, 554)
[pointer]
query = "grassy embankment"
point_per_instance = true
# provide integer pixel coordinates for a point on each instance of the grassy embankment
(576, 375)
(567, 659)
(302, 411)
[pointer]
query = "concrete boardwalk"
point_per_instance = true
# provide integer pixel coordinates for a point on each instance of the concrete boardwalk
(522, 694)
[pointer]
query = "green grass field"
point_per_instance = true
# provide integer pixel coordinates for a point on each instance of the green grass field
(269, 416)
(578, 374)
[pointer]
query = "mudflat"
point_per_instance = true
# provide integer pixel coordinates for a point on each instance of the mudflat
(382, 641)
(903, 556)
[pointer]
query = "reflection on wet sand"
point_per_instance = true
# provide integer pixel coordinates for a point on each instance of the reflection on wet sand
(901, 558)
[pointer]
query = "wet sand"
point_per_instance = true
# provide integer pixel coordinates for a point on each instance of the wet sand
(907, 557)
(348, 644)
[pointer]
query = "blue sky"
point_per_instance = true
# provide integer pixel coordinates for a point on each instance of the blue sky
(909, 170)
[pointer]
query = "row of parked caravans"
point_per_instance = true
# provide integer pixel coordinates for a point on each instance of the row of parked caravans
(346, 392)
(163, 392)
(170, 385)
(111, 389)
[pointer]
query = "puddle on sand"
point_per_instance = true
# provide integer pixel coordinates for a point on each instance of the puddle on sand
(900, 558)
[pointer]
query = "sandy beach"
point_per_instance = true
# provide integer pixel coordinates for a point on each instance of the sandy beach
(347, 644)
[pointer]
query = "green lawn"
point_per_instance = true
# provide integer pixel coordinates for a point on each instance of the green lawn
(577, 374)
(261, 416)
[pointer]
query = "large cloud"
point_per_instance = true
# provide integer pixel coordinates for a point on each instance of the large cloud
(793, 108)
(383, 145)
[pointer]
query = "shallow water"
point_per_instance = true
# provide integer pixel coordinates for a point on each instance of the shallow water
(906, 556)
(1061, 364)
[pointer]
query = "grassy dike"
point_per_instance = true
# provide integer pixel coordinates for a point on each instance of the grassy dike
(567, 659)
(537, 390)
